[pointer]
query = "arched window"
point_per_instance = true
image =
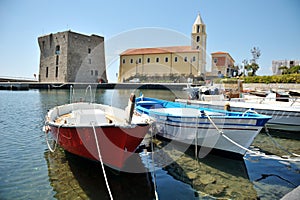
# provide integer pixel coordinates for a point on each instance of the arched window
(198, 38)
(57, 49)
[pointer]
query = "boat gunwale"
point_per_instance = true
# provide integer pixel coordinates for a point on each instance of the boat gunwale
(227, 114)
(117, 122)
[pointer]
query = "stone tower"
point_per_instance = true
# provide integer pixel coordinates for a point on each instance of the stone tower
(198, 38)
(71, 57)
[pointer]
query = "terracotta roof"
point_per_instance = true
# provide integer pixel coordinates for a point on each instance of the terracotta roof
(220, 52)
(158, 50)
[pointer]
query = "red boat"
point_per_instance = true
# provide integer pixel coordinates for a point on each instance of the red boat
(96, 131)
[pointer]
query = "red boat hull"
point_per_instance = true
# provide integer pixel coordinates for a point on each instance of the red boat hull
(116, 144)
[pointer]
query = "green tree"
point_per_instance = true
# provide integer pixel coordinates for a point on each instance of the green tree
(252, 69)
(283, 69)
(294, 70)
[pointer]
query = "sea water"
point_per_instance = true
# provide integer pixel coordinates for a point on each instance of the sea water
(28, 170)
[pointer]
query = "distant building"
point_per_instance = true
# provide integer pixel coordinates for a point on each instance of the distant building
(276, 64)
(71, 57)
(222, 65)
(161, 61)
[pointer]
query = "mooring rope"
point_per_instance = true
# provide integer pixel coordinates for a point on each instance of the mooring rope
(196, 138)
(56, 140)
(57, 86)
(153, 167)
(278, 145)
(246, 149)
(101, 161)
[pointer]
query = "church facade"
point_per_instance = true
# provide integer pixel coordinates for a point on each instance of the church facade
(166, 61)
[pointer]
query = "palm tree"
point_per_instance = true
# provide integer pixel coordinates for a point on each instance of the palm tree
(294, 69)
(283, 69)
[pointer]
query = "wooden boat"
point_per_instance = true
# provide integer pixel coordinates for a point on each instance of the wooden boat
(215, 129)
(96, 131)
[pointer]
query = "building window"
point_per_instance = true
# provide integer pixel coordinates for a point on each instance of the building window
(56, 72)
(123, 61)
(198, 38)
(57, 59)
(92, 72)
(157, 59)
(47, 70)
(43, 44)
(89, 50)
(90, 61)
(166, 59)
(185, 59)
(194, 58)
(198, 29)
(140, 60)
(57, 50)
(197, 47)
(175, 59)
(96, 72)
(131, 60)
(148, 60)
(215, 60)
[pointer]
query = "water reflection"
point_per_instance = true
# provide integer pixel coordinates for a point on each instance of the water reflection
(212, 176)
(73, 177)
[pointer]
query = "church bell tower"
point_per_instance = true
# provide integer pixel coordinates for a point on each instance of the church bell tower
(198, 38)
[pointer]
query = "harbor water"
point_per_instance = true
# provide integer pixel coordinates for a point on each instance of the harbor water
(28, 170)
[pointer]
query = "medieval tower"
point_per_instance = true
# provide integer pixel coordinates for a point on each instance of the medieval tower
(72, 57)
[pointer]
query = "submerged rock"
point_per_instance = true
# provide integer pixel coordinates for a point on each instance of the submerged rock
(207, 179)
(214, 189)
(191, 175)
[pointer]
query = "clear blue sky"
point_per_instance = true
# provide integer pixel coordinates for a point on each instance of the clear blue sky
(234, 26)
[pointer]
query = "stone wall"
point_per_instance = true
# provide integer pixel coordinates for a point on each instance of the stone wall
(71, 57)
(273, 86)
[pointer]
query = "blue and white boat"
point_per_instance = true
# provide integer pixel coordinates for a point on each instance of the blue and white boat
(209, 128)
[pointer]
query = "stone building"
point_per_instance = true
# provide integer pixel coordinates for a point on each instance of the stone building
(72, 57)
(165, 61)
(276, 64)
(222, 64)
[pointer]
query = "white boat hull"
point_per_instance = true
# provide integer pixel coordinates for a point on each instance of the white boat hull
(206, 135)
(287, 119)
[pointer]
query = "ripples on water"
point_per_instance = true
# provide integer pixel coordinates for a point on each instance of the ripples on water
(29, 171)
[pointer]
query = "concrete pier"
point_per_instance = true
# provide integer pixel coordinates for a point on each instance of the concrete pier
(36, 85)
(162, 86)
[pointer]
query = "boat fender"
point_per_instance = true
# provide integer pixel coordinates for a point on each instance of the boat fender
(46, 129)
(227, 107)
(130, 107)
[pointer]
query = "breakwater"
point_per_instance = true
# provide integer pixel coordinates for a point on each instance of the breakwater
(35, 85)
(162, 86)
